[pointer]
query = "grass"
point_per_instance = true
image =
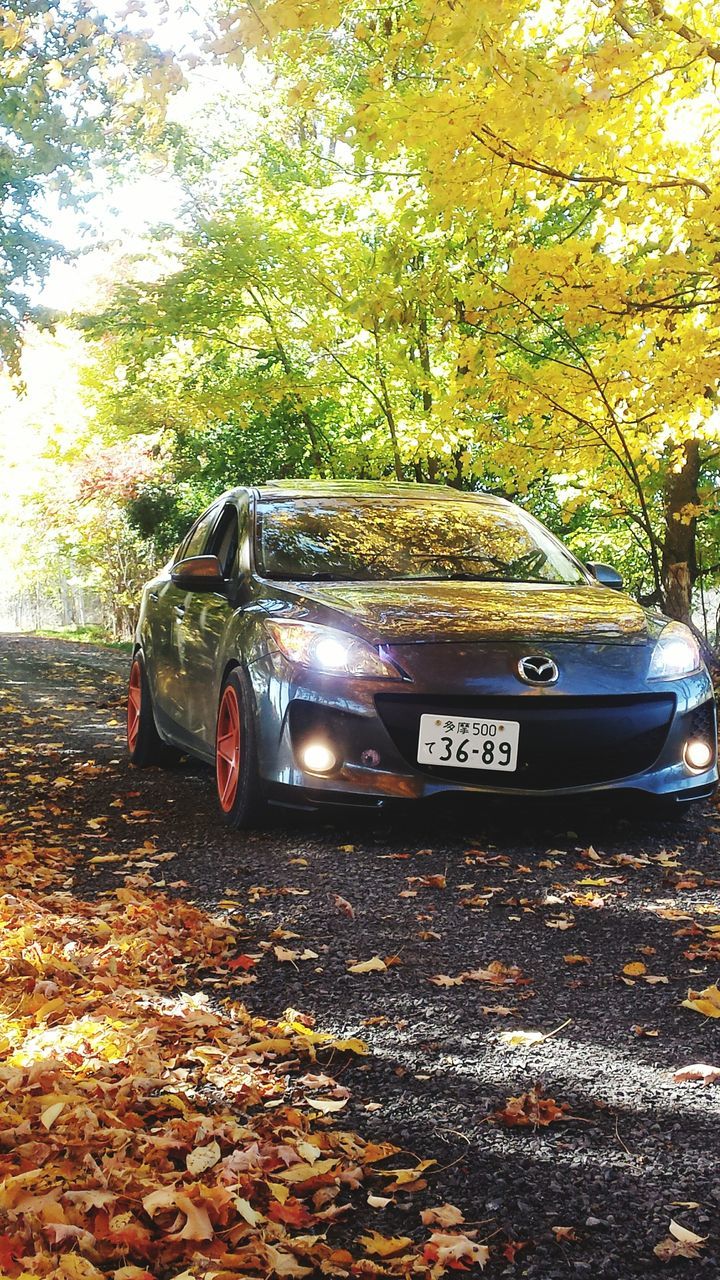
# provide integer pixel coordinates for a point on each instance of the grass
(92, 634)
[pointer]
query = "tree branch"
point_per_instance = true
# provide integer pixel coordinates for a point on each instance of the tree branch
(504, 151)
(683, 30)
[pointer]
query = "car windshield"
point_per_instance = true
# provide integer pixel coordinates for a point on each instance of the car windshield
(388, 539)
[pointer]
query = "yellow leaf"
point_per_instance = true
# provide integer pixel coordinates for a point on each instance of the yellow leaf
(375, 1151)
(521, 1039)
(203, 1158)
(374, 965)
(50, 1114)
(353, 1045)
(302, 1172)
(278, 1045)
(402, 1176)
(246, 1211)
(74, 1267)
(706, 1002)
(682, 1233)
(634, 969)
(197, 1225)
(326, 1105)
(384, 1246)
(444, 1215)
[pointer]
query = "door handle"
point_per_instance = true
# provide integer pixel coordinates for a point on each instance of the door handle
(179, 611)
(154, 595)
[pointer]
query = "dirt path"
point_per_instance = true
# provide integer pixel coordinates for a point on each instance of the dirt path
(569, 897)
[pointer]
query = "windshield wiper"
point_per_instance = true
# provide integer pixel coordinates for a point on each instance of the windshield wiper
(320, 576)
(458, 575)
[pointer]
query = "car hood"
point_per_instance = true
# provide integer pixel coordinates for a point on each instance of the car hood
(426, 611)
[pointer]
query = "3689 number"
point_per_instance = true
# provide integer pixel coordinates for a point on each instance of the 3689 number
(489, 752)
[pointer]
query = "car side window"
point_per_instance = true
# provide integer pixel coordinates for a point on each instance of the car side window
(196, 541)
(224, 541)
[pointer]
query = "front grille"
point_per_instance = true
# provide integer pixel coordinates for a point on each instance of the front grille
(564, 741)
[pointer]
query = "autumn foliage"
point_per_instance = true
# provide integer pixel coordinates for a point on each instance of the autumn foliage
(150, 1130)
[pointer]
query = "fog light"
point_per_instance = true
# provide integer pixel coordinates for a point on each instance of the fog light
(318, 758)
(698, 754)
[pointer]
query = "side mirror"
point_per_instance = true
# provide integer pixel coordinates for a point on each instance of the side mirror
(198, 573)
(605, 575)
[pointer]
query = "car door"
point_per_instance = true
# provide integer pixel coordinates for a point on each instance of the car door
(205, 623)
(167, 606)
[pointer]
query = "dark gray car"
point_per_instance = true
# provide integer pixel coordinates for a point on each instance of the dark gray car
(359, 642)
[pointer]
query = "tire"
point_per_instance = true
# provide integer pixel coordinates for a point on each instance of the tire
(238, 785)
(145, 746)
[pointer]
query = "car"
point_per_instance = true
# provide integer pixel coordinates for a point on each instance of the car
(330, 642)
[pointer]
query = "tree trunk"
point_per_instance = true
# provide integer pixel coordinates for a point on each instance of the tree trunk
(679, 560)
(388, 409)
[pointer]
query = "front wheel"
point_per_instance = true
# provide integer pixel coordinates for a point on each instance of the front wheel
(145, 746)
(237, 777)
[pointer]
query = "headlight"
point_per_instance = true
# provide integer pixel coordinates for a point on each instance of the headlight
(677, 653)
(326, 649)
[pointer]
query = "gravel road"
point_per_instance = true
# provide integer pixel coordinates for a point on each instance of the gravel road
(568, 896)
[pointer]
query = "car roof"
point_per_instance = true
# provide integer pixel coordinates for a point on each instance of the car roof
(286, 490)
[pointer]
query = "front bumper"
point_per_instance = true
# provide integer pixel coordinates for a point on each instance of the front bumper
(572, 742)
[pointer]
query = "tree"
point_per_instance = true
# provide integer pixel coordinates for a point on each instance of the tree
(569, 155)
(73, 88)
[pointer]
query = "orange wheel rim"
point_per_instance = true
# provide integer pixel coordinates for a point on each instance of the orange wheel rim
(227, 750)
(134, 705)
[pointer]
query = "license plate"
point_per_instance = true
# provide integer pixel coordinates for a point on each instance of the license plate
(461, 743)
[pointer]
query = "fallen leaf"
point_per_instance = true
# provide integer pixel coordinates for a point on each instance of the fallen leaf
(454, 1250)
(565, 1233)
(682, 1233)
(531, 1108)
(343, 905)
(374, 965)
(681, 1243)
(384, 1246)
(327, 1105)
(246, 1211)
(698, 1071)
(202, 1158)
(405, 1177)
(520, 1039)
(444, 1215)
(284, 953)
(303, 1171)
(197, 1225)
(706, 1002)
(50, 1114)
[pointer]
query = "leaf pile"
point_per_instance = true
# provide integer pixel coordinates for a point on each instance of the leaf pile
(531, 1108)
(145, 1132)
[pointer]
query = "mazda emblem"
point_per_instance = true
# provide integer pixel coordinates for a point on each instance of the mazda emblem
(537, 670)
